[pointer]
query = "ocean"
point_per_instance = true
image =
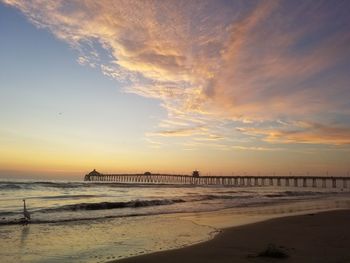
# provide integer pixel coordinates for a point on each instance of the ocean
(75, 221)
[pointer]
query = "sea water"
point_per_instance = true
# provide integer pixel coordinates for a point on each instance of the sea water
(97, 222)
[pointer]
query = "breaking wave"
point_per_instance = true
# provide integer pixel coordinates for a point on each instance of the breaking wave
(114, 205)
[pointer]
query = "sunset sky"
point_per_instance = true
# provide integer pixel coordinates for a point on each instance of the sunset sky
(172, 86)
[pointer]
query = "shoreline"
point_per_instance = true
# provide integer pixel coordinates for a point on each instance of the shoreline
(312, 237)
(106, 239)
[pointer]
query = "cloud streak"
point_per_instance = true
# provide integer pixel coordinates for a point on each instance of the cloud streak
(314, 133)
(246, 62)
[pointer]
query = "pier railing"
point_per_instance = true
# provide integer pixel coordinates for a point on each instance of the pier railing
(286, 181)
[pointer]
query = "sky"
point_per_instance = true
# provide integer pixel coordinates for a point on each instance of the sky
(225, 87)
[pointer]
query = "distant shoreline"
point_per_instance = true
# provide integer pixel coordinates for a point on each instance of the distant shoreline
(313, 237)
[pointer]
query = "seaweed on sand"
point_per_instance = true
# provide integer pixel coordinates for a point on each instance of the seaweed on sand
(273, 252)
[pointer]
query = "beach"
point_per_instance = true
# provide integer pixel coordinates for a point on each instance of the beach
(174, 131)
(314, 237)
(98, 222)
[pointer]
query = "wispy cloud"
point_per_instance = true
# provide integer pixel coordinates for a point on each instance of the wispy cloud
(302, 132)
(252, 148)
(246, 62)
(188, 131)
(154, 144)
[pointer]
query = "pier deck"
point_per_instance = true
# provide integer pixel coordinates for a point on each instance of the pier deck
(286, 181)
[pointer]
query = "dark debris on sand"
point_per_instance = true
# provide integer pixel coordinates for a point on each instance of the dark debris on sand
(273, 251)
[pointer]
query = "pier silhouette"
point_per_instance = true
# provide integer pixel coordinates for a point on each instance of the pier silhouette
(239, 180)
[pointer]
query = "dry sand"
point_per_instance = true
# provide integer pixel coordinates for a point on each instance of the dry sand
(321, 237)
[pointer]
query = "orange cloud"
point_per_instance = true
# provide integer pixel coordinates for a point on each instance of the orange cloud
(207, 60)
(313, 133)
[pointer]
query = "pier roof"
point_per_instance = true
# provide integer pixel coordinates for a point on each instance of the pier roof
(94, 172)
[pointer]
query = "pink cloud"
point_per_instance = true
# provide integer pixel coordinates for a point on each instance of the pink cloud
(232, 64)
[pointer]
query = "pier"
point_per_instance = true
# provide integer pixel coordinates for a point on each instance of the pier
(195, 179)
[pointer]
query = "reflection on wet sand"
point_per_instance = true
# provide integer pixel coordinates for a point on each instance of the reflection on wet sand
(24, 235)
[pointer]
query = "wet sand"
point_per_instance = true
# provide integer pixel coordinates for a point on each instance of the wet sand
(320, 237)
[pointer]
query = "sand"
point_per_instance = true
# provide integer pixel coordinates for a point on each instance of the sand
(321, 237)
